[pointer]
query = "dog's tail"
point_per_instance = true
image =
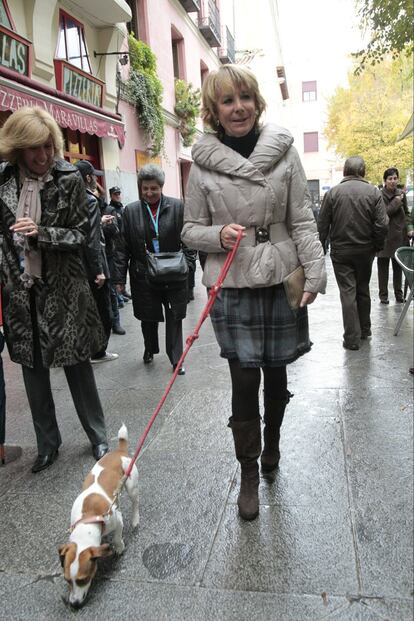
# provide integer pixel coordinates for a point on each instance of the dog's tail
(123, 438)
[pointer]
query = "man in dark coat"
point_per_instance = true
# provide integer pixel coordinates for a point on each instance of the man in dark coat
(94, 256)
(154, 224)
(353, 216)
(112, 234)
(396, 205)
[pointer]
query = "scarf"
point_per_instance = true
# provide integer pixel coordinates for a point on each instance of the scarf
(30, 206)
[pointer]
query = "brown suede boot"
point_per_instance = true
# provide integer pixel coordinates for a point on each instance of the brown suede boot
(247, 443)
(273, 418)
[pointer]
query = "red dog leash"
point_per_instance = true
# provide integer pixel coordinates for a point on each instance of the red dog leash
(189, 341)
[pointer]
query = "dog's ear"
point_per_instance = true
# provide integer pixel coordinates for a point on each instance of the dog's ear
(64, 549)
(62, 553)
(101, 551)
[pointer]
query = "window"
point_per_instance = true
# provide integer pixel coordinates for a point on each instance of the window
(71, 43)
(138, 25)
(177, 46)
(309, 91)
(310, 142)
(5, 18)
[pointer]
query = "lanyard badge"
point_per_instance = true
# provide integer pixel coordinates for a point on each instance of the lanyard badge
(155, 240)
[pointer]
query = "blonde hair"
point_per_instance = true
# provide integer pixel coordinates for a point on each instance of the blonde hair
(29, 127)
(226, 79)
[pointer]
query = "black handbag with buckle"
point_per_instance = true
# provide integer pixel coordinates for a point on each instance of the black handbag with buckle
(165, 268)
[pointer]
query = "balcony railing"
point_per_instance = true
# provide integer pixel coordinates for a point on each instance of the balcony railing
(209, 23)
(191, 6)
(227, 54)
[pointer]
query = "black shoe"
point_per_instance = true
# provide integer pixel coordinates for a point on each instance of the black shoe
(148, 356)
(44, 461)
(99, 450)
(117, 329)
(366, 334)
(351, 346)
(399, 299)
(181, 370)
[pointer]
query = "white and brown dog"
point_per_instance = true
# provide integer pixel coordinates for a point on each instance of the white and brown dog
(93, 516)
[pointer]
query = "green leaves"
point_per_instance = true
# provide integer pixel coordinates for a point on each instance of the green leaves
(144, 91)
(390, 23)
(187, 108)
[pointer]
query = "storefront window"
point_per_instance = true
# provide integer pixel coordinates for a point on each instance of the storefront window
(80, 146)
(4, 15)
(71, 43)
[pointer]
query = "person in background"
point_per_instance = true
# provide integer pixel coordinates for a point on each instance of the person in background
(353, 216)
(397, 210)
(112, 231)
(154, 223)
(116, 208)
(247, 177)
(96, 264)
(49, 314)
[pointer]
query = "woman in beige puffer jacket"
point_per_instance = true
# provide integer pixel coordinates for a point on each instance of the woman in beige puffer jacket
(247, 177)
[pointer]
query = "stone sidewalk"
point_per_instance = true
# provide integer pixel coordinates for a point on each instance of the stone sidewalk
(334, 536)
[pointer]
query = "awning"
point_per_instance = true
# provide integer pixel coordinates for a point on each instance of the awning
(14, 96)
(408, 130)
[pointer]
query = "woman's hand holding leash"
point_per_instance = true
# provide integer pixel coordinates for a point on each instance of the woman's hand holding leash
(229, 234)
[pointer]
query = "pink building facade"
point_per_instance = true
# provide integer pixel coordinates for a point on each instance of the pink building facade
(182, 40)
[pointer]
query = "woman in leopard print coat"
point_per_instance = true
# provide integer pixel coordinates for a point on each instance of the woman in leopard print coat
(50, 317)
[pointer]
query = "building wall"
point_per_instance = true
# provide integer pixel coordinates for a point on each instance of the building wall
(162, 17)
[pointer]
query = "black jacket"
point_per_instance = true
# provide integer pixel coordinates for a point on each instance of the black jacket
(113, 231)
(353, 216)
(138, 233)
(94, 251)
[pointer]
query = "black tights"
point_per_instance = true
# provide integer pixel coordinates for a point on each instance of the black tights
(245, 388)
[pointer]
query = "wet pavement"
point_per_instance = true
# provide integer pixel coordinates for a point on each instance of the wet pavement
(334, 536)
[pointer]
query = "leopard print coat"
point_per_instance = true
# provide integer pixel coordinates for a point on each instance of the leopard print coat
(67, 318)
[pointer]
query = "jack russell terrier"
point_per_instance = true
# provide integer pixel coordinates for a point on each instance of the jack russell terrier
(93, 516)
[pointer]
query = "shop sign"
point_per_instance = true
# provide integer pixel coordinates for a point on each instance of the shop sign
(14, 52)
(73, 118)
(142, 158)
(78, 84)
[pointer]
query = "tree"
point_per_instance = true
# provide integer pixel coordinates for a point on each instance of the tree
(366, 117)
(390, 23)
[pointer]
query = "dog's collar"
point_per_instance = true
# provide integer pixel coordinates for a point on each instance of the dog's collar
(93, 519)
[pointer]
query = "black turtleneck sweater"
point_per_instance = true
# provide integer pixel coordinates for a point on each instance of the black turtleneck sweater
(243, 145)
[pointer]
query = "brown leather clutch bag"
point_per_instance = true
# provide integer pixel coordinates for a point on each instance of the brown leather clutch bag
(294, 284)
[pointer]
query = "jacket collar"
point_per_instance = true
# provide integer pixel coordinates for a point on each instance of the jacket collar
(272, 144)
(353, 178)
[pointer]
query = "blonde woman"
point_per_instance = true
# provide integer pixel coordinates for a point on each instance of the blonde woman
(248, 177)
(50, 317)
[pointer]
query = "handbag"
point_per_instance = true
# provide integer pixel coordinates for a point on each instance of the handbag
(166, 267)
(294, 284)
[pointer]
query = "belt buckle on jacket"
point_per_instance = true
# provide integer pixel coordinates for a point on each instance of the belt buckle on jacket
(262, 234)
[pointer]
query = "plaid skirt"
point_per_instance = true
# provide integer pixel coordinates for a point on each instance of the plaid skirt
(258, 327)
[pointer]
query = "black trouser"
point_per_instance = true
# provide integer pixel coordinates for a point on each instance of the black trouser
(85, 397)
(102, 297)
(245, 388)
(383, 264)
(353, 274)
(173, 336)
(113, 293)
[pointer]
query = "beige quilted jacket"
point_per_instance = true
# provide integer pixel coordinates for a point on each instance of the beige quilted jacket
(269, 187)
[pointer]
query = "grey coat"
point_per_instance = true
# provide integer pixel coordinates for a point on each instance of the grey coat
(68, 322)
(267, 188)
